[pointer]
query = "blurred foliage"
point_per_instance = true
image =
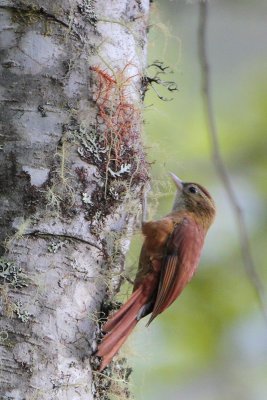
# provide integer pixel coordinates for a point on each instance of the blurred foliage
(212, 343)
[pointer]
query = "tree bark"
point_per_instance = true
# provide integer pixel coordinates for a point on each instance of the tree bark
(71, 178)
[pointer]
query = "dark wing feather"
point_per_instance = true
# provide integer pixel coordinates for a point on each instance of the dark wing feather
(183, 250)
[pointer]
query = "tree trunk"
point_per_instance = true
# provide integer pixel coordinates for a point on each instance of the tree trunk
(72, 174)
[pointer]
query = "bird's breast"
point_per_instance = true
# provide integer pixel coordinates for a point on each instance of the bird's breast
(156, 235)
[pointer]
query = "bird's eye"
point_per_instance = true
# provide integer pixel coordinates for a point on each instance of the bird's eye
(192, 189)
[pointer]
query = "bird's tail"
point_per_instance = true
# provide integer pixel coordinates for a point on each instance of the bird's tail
(118, 328)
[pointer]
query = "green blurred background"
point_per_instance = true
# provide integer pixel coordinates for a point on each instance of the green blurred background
(212, 343)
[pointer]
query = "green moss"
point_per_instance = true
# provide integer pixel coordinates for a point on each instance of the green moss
(26, 17)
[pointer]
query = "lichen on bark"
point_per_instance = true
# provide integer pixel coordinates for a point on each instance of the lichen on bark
(71, 177)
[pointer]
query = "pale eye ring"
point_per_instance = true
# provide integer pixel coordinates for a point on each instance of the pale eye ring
(192, 189)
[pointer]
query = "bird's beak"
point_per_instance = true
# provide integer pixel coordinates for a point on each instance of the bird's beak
(178, 182)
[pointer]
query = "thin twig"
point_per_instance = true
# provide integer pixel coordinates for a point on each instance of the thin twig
(63, 236)
(218, 160)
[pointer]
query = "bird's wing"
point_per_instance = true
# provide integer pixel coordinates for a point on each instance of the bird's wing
(156, 234)
(182, 254)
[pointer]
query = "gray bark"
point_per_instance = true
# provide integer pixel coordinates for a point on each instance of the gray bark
(72, 171)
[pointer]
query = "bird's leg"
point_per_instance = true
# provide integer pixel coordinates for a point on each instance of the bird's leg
(128, 279)
(145, 310)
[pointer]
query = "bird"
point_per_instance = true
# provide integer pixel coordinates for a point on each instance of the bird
(168, 259)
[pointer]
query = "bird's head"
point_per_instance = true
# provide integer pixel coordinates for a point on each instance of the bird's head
(195, 199)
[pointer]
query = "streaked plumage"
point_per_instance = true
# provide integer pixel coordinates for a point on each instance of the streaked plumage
(168, 260)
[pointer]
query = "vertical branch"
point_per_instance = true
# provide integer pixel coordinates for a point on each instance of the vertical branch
(218, 160)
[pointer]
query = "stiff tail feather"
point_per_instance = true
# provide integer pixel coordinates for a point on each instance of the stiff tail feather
(119, 327)
(117, 316)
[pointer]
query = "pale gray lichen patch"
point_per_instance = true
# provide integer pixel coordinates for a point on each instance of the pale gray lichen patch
(23, 315)
(55, 246)
(38, 176)
(86, 198)
(23, 354)
(37, 52)
(12, 274)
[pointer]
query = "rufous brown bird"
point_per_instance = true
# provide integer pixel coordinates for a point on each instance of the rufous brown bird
(168, 260)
